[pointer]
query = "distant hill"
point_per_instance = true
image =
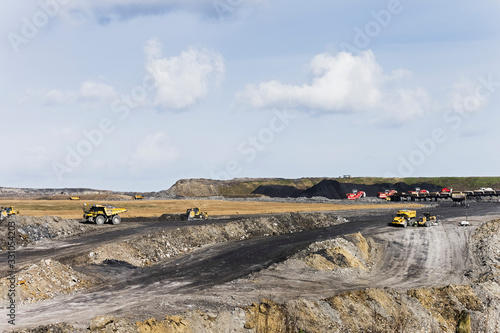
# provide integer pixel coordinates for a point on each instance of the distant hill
(334, 188)
(61, 193)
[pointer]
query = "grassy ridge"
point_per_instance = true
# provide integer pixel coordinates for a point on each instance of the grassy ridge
(457, 183)
(244, 188)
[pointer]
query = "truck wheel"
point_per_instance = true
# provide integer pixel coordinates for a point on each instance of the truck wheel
(116, 219)
(405, 223)
(427, 224)
(100, 220)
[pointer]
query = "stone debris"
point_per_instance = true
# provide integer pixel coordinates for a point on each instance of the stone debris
(450, 308)
(148, 249)
(30, 229)
(45, 280)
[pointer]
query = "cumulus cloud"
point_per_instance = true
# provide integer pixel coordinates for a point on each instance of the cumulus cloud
(90, 91)
(343, 83)
(181, 81)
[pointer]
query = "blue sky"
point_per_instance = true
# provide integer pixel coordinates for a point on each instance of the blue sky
(134, 95)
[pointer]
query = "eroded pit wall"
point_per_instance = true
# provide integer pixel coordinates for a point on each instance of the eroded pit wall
(148, 249)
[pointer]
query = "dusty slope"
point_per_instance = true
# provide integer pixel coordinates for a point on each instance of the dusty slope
(144, 250)
(44, 280)
(31, 229)
(304, 289)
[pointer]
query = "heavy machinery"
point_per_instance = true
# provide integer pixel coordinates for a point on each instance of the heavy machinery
(196, 213)
(7, 211)
(405, 218)
(102, 213)
(426, 220)
(446, 190)
(356, 195)
(386, 194)
(458, 198)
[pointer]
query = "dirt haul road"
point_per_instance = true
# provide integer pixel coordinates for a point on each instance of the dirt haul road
(235, 273)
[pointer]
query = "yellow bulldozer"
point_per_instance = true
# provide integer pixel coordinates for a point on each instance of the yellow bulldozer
(7, 211)
(196, 213)
(427, 220)
(102, 213)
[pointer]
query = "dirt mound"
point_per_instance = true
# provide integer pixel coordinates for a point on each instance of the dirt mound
(351, 251)
(486, 245)
(326, 188)
(193, 188)
(144, 250)
(333, 189)
(45, 280)
(197, 321)
(371, 310)
(278, 191)
(32, 229)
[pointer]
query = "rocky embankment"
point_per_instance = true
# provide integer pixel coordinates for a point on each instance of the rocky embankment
(30, 229)
(473, 307)
(148, 249)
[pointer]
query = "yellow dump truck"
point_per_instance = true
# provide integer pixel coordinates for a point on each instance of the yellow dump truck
(102, 213)
(405, 218)
(196, 213)
(7, 211)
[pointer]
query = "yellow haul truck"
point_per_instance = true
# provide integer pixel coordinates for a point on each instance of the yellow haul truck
(405, 218)
(102, 213)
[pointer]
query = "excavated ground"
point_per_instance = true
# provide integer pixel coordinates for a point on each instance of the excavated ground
(343, 272)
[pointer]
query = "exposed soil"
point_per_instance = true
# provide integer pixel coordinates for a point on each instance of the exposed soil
(345, 271)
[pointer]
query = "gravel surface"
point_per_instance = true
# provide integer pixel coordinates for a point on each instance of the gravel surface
(281, 257)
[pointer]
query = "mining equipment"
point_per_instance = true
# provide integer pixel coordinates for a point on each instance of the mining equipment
(102, 213)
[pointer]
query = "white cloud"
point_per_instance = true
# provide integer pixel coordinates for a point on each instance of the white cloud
(469, 96)
(343, 83)
(105, 11)
(183, 80)
(90, 91)
(155, 151)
